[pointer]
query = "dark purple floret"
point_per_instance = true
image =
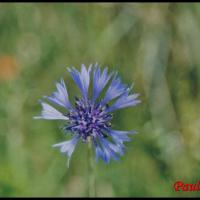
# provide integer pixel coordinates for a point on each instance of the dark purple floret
(88, 119)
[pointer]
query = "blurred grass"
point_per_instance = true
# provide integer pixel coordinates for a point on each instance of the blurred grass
(156, 46)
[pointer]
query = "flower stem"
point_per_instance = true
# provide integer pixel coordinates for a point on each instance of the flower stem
(91, 172)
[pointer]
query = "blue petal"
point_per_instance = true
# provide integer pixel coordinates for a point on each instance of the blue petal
(100, 81)
(114, 148)
(81, 79)
(115, 89)
(120, 136)
(108, 155)
(67, 147)
(125, 100)
(107, 152)
(99, 151)
(50, 113)
(60, 97)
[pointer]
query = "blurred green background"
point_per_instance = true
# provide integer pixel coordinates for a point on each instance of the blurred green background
(156, 46)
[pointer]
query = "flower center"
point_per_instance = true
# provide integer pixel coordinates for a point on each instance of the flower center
(88, 119)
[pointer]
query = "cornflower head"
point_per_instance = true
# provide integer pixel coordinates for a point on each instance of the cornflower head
(89, 119)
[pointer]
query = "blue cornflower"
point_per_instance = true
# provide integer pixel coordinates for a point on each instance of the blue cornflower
(90, 118)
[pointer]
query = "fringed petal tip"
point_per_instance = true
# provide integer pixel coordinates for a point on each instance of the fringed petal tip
(108, 151)
(60, 96)
(67, 147)
(82, 79)
(125, 100)
(132, 132)
(37, 117)
(100, 80)
(50, 113)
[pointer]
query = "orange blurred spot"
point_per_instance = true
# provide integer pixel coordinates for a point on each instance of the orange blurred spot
(8, 67)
